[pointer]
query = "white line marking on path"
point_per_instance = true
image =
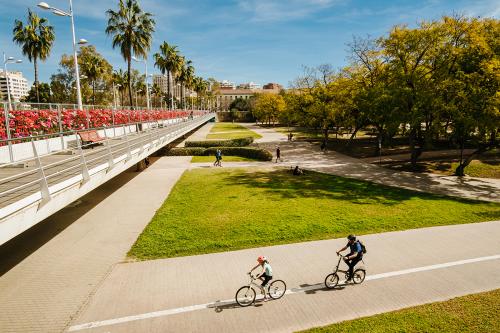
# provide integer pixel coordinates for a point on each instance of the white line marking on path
(191, 308)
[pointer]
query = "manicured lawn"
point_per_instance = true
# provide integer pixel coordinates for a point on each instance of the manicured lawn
(204, 159)
(473, 313)
(234, 131)
(217, 209)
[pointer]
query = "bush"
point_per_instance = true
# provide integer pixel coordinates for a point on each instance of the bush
(241, 142)
(255, 153)
(190, 151)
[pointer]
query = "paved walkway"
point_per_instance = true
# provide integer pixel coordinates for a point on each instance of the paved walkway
(199, 135)
(310, 157)
(50, 270)
(195, 294)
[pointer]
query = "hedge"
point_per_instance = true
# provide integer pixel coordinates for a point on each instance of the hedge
(220, 143)
(255, 153)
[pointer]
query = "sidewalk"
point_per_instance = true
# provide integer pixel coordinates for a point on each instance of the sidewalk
(50, 271)
(195, 294)
(309, 156)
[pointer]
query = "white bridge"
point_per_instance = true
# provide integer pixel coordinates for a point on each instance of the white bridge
(33, 188)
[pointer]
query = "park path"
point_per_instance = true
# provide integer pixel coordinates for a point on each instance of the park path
(199, 135)
(196, 293)
(48, 272)
(309, 156)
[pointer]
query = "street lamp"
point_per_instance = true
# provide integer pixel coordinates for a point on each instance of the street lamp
(147, 88)
(69, 14)
(9, 60)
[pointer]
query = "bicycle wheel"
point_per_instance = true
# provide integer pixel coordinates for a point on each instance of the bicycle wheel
(277, 289)
(245, 296)
(359, 276)
(331, 280)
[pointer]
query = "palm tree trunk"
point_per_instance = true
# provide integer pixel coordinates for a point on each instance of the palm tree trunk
(168, 90)
(129, 81)
(36, 80)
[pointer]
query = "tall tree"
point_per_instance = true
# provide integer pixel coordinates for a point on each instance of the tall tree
(36, 38)
(95, 68)
(120, 79)
(185, 78)
(132, 30)
(167, 61)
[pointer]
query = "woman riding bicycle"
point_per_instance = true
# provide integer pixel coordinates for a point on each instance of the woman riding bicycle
(266, 275)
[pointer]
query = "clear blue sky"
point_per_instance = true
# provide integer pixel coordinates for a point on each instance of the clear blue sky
(240, 40)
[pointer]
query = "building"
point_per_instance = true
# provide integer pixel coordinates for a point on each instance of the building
(225, 84)
(250, 85)
(175, 88)
(226, 96)
(273, 86)
(18, 85)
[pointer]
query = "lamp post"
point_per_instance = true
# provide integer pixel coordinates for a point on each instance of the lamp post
(147, 88)
(9, 60)
(69, 14)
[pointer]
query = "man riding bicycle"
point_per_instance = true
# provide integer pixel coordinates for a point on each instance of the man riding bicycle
(266, 275)
(355, 256)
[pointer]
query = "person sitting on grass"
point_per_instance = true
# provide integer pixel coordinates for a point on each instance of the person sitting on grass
(297, 171)
(266, 274)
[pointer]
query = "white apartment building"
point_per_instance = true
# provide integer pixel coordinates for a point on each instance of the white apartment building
(18, 85)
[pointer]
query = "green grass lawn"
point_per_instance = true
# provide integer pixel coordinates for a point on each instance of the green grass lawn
(234, 131)
(473, 313)
(217, 209)
(204, 159)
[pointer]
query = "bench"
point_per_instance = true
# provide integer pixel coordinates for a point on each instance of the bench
(90, 137)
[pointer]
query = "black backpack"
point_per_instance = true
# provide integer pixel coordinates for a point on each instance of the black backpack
(363, 247)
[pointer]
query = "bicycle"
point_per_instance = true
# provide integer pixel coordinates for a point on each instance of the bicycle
(246, 295)
(332, 279)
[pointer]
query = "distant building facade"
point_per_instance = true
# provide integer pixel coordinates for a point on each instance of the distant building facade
(18, 85)
(226, 96)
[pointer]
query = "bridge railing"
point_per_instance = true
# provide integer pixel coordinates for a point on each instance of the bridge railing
(121, 143)
(33, 120)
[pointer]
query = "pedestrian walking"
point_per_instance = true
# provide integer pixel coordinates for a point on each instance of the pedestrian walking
(218, 158)
(278, 154)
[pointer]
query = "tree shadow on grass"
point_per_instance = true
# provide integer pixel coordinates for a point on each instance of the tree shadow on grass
(324, 186)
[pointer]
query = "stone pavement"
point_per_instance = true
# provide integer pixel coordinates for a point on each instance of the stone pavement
(195, 294)
(49, 271)
(309, 156)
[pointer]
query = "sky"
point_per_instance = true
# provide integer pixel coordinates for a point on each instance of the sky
(237, 40)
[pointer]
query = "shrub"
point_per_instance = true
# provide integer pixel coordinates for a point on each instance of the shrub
(189, 151)
(255, 153)
(241, 142)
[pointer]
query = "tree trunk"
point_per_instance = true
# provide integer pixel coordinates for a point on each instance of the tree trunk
(35, 64)
(129, 81)
(415, 152)
(460, 170)
(169, 97)
(93, 93)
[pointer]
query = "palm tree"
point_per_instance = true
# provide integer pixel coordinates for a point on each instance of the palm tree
(120, 79)
(168, 61)
(93, 69)
(156, 91)
(132, 31)
(185, 78)
(36, 39)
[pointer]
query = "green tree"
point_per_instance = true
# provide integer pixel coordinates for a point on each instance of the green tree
(120, 80)
(36, 38)
(268, 107)
(97, 70)
(168, 61)
(43, 95)
(132, 31)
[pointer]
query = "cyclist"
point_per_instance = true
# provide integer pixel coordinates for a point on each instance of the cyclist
(355, 256)
(266, 275)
